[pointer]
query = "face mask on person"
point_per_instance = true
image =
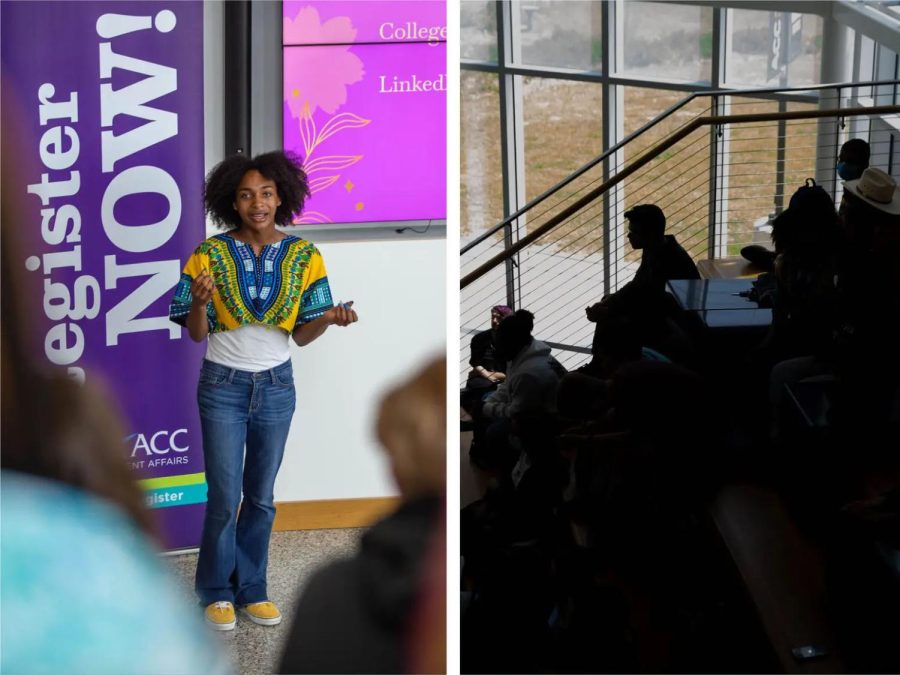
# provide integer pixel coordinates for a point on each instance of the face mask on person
(848, 171)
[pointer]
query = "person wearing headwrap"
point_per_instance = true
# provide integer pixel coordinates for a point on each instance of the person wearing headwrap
(488, 369)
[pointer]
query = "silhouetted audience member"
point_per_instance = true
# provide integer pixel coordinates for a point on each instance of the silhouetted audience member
(658, 464)
(484, 359)
(867, 358)
(801, 291)
(662, 259)
(505, 536)
(618, 341)
(860, 352)
(582, 398)
(357, 615)
(853, 159)
(806, 237)
(644, 299)
(488, 369)
(660, 401)
(529, 393)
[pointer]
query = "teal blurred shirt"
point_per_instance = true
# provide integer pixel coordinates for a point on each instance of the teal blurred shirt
(82, 590)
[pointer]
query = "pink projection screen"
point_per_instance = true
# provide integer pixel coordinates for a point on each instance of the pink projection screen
(365, 107)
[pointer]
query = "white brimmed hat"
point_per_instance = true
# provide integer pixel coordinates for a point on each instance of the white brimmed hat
(877, 188)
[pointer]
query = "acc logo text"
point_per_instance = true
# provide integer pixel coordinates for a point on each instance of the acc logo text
(159, 443)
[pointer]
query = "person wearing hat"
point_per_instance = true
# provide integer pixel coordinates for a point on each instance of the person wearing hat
(878, 190)
(871, 224)
(860, 314)
(867, 360)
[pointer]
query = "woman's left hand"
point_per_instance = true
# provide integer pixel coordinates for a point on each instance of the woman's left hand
(342, 314)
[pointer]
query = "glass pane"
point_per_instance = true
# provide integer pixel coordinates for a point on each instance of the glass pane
(866, 59)
(760, 184)
(666, 41)
(481, 186)
(478, 30)
(772, 49)
(677, 180)
(886, 70)
(563, 129)
(563, 272)
(558, 33)
(866, 65)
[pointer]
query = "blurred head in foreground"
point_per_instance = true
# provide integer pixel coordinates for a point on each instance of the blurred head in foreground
(412, 428)
(81, 583)
(389, 600)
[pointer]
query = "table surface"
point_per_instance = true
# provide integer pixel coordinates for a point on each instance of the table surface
(720, 305)
(712, 294)
(736, 318)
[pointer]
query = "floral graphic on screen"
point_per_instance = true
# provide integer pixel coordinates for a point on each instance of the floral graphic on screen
(309, 88)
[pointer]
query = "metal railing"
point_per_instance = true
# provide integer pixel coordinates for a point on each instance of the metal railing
(720, 176)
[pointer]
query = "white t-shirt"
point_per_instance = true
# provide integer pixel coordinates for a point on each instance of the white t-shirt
(251, 348)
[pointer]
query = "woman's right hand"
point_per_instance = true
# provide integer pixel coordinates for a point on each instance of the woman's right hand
(202, 288)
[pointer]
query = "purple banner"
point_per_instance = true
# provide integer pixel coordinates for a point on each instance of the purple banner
(367, 112)
(109, 109)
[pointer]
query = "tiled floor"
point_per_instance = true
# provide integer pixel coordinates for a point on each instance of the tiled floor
(293, 558)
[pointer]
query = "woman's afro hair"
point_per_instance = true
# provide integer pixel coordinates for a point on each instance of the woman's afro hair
(284, 168)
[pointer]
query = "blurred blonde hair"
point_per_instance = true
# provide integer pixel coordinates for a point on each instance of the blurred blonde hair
(412, 427)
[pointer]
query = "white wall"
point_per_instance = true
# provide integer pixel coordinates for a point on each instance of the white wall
(398, 291)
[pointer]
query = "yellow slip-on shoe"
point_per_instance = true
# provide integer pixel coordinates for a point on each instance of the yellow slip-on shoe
(220, 615)
(263, 613)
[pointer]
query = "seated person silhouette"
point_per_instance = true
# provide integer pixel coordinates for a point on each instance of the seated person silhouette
(644, 298)
(529, 391)
(488, 369)
(853, 159)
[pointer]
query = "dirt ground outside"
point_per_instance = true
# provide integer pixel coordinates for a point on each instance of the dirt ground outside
(563, 131)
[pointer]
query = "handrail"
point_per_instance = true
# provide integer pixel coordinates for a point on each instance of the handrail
(655, 152)
(665, 114)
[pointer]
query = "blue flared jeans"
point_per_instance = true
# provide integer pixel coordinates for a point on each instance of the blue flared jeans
(238, 409)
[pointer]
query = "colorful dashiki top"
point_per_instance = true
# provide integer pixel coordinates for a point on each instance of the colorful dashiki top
(284, 286)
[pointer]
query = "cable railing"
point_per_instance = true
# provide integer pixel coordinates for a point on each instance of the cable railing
(719, 176)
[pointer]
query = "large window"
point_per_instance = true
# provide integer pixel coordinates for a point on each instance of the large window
(553, 86)
(562, 129)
